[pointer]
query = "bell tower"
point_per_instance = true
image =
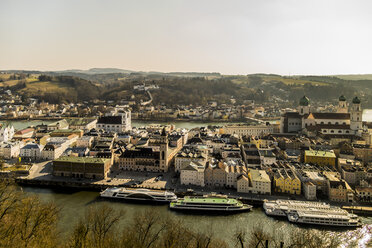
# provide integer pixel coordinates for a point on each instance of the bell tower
(304, 108)
(342, 105)
(356, 116)
(163, 151)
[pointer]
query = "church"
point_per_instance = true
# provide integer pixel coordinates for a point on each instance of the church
(343, 122)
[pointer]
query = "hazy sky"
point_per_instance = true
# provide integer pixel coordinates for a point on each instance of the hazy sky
(231, 37)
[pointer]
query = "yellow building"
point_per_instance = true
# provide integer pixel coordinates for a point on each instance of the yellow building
(320, 157)
(285, 181)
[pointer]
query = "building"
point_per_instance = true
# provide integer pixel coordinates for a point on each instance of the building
(6, 133)
(267, 156)
(31, 151)
(309, 189)
(257, 182)
(339, 123)
(52, 151)
(156, 158)
(193, 174)
(11, 149)
(215, 175)
(249, 130)
(24, 133)
(66, 132)
(84, 124)
(184, 158)
(364, 194)
(118, 124)
(285, 181)
(323, 158)
(61, 124)
(81, 167)
(338, 189)
(232, 174)
(84, 141)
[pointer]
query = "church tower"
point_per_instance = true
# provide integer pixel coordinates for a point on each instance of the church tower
(304, 108)
(356, 116)
(342, 105)
(164, 151)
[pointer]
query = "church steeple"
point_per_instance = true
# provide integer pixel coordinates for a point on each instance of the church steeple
(342, 105)
(304, 107)
(356, 115)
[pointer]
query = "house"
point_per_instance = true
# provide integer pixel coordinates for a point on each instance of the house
(267, 156)
(232, 174)
(338, 189)
(31, 151)
(215, 175)
(186, 156)
(257, 182)
(285, 181)
(364, 194)
(84, 141)
(52, 151)
(193, 174)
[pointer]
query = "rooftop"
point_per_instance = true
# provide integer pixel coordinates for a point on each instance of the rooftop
(90, 160)
(316, 153)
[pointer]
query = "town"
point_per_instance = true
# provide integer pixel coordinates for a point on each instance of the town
(308, 155)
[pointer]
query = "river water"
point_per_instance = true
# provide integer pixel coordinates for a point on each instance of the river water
(73, 204)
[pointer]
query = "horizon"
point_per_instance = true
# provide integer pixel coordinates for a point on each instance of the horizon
(166, 72)
(236, 38)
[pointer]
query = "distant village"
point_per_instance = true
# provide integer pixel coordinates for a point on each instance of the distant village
(306, 155)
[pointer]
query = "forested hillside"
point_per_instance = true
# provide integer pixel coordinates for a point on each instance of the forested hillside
(176, 88)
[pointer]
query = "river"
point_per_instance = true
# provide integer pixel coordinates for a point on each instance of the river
(367, 116)
(74, 203)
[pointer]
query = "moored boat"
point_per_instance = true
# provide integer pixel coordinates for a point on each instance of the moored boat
(138, 194)
(209, 204)
(314, 213)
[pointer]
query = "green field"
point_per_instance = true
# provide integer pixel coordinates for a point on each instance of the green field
(355, 77)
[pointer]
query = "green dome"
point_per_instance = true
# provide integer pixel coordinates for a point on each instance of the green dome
(356, 100)
(304, 101)
(342, 98)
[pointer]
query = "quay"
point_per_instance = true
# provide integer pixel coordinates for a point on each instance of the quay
(362, 210)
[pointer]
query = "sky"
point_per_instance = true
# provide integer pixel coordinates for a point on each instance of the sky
(285, 37)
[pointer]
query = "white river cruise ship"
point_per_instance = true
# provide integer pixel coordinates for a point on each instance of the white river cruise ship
(307, 212)
(139, 194)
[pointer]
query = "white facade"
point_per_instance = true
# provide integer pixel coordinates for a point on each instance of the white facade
(52, 152)
(120, 124)
(249, 129)
(31, 151)
(192, 175)
(6, 133)
(356, 117)
(309, 190)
